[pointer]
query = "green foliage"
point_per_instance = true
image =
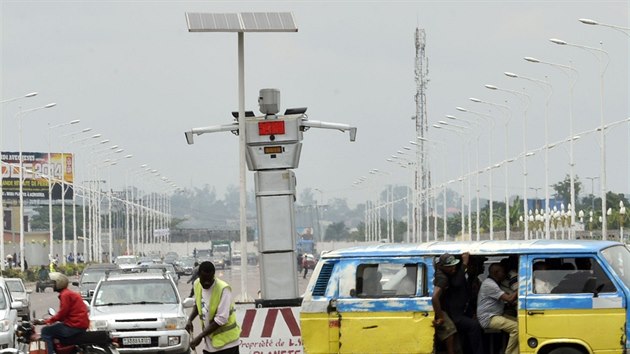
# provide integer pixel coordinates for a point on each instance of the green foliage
(30, 275)
(40, 221)
(13, 273)
(336, 232)
(563, 189)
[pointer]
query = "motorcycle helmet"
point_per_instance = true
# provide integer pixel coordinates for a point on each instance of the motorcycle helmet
(61, 281)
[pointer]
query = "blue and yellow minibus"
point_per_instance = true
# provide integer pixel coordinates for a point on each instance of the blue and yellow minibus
(572, 296)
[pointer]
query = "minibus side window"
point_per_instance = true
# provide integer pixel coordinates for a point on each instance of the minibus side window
(618, 257)
(388, 279)
(570, 276)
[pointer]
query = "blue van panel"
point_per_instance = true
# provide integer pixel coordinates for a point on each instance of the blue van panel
(385, 305)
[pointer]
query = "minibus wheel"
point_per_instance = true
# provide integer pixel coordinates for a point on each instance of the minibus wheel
(566, 350)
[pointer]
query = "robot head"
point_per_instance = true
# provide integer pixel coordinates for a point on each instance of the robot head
(269, 101)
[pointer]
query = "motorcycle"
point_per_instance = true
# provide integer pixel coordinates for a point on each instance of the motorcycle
(90, 342)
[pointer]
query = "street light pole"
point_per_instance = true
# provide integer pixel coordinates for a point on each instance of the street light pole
(491, 216)
(19, 117)
(51, 177)
(32, 94)
(527, 102)
(621, 29)
(467, 177)
(546, 84)
(624, 30)
(592, 192)
(505, 172)
(564, 69)
(602, 70)
(458, 132)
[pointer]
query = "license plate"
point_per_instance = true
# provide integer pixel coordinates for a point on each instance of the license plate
(136, 340)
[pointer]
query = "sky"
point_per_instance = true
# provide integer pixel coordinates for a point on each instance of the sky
(132, 72)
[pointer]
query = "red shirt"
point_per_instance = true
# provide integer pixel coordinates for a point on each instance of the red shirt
(72, 310)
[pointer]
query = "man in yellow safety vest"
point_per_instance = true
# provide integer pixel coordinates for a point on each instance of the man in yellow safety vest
(213, 297)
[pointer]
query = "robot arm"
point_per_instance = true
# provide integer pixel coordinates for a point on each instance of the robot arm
(326, 125)
(232, 127)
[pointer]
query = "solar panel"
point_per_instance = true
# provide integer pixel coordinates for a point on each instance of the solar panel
(268, 22)
(241, 22)
(210, 22)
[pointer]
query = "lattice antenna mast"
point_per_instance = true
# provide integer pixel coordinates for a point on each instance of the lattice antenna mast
(422, 178)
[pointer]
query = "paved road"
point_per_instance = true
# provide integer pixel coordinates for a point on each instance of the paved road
(40, 302)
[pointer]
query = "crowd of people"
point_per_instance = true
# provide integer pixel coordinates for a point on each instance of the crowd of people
(465, 307)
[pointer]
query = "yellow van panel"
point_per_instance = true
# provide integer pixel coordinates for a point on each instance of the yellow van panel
(386, 332)
(602, 330)
(320, 332)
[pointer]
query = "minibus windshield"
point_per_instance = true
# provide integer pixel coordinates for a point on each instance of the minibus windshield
(619, 259)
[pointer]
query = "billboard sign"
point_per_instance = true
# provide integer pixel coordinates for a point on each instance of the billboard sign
(36, 167)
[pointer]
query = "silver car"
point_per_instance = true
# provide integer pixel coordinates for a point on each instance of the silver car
(19, 293)
(8, 316)
(143, 312)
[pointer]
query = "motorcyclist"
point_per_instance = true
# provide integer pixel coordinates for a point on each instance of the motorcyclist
(71, 319)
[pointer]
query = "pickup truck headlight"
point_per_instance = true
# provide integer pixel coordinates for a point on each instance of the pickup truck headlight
(175, 322)
(99, 325)
(4, 325)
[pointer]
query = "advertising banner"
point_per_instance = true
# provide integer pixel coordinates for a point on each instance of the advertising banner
(270, 330)
(36, 167)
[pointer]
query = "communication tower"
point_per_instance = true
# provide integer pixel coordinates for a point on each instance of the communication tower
(422, 177)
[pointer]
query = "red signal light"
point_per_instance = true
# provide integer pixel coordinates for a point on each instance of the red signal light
(275, 127)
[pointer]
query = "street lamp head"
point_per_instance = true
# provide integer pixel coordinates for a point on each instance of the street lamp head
(558, 41)
(85, 130)
(113, 147)
(509, 74)
(437, 126)
(461, 109)
(32, 94)
(443, 122)
(532, 60)
(450, 116)
(104, 141)
(75, 121)
(96, 136)
(476, 100)
(119, 151)
(128, 156)
(491, 87)
(588, 21)
(50, 105)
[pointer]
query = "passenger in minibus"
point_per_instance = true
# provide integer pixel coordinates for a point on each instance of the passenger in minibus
(450, 279)
(407, 285)
(445, 329)
(541, 283)
(509, 285)
(372, 282)
(491, 306)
